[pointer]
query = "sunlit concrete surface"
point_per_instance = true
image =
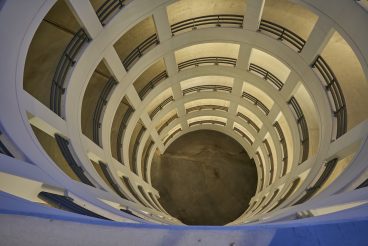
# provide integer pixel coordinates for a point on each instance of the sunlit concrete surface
(349, 73)
(207, 49)
(136, 35)
(283, 11)
(186, 9)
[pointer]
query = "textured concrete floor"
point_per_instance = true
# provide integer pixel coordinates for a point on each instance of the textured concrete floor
(204, 178)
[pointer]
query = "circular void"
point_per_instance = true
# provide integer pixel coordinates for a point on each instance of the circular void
(204, 178)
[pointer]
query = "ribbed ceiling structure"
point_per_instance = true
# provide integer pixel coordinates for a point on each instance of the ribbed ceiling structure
(91, 89)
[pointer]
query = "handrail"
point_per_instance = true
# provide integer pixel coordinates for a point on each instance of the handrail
(270, 157)
(141, 190)
(161, 106)
(271, 199)
(154, 201)
(171, 119)
(282, 34)
(268, 76)
(152, 84)
(302, 126)
(145, 161)
(282, 140)
(256, 102)
(129, 185)
(135, 149)
(261, 167)
(213, 122)
(3, 149)
(243, 135)
(101, 103)
(290, 191)
(207, 60)
(67, 203)
(140, 50)
(248, 120)
(123, 125)
(109, 178)
(262, 200)
(334, 94)
(311, 191)
(108, 8)
(172, 135)
(64, 148)
(207, 107)
(66, 61)
(208, 20)
(207, 88)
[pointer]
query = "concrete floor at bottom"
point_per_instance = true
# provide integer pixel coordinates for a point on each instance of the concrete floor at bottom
(204, 178)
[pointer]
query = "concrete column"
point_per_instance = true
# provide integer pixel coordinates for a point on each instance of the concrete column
(253, 14)
(114, 64)
(147, 122)
(236, 91)
(290, 86)
(172, 70)
(162, 23)
(42, 117)
(318, 39)
(86, 16)
(245, 51)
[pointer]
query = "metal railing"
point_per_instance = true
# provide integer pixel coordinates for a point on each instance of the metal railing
(101, 103)
(64, 148)
(302, 126)
(274, 81)
(135, 149)
(222, 20)
(122, 127)
(207, 88)
(129, 185)
(256, 207)
(290, 191)
(206, 107)
(311, 191)
(109, 178)
(67, 60)
(172, 135)
(270, 157)
(108, 8)
(161, 106)
(171, 119)
(67, 203)
(243, 135)
(212, 122)
(152, 84)
(334, 94)
(282, 34)
(282, 140)
(271, 199)
(141, 190)
(249, 121)
(256, 102)
(260, 167)
(154, 201)
(140, 50)
(212, 60)
(145, 161)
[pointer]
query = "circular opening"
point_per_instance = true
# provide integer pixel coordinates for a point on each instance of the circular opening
(204, 178)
